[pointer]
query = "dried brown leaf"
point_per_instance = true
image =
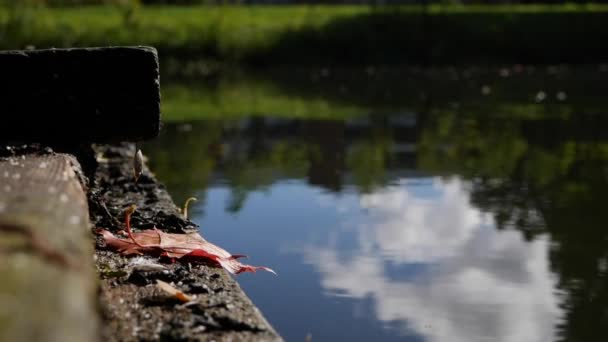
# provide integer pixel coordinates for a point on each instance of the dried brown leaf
(191, 246)
(172, 291)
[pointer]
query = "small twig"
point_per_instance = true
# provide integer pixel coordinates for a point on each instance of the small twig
(138, 164)
(185, 210)
(106, 211)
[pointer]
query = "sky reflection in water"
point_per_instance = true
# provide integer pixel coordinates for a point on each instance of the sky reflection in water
(440, 214)
(413, 260)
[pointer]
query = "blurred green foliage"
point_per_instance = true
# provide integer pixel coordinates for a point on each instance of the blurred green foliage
(322, 35)
(457, 127)
(546, 176)
(234, 99)
(537, 167)
(335, 94)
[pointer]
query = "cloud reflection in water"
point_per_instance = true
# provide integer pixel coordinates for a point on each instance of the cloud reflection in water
(468, 281)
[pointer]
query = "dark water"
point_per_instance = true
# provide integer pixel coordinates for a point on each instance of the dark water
(474, 221)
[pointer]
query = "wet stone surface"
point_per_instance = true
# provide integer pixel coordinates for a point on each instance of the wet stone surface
(132, 306)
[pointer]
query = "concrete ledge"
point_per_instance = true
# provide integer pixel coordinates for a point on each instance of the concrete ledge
(47, 283)
(48, 287)
(134, 309)
(109, 94)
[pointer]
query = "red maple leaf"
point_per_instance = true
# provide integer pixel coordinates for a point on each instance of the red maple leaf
(189, 246)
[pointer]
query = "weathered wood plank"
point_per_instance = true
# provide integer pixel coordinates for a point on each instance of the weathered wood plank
(47, 283)
(109, 93)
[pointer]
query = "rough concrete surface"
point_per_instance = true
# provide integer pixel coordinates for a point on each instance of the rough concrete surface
(47, 283)
(134, 309)
(54, 286)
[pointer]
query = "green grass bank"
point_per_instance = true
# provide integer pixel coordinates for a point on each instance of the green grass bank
(325, 35)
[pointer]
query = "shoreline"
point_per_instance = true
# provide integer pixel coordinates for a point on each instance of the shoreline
(325, 35)
(131, 305)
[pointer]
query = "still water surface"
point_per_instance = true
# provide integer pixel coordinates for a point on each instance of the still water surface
(456, 223)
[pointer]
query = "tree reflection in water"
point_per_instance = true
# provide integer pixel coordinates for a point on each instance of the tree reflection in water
(541, 170)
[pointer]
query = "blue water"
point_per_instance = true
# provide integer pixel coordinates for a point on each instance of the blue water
(483, 229)
(405, 263)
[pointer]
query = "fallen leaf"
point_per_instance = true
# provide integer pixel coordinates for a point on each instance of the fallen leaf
(173, 291)
(189, 246)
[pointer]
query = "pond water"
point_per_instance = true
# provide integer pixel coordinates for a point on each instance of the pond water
(458, 219)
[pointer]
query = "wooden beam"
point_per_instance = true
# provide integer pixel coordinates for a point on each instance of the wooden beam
(47, 282)
(79, 95)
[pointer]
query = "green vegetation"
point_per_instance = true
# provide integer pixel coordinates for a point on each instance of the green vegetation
(479, 133)
(183, 102)
(336, 94)
(323, 35)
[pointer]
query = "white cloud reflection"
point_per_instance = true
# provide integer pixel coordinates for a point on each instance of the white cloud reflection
(476, 283)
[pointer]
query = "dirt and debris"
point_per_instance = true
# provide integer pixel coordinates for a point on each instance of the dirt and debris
(175, 293)
(133, 307)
